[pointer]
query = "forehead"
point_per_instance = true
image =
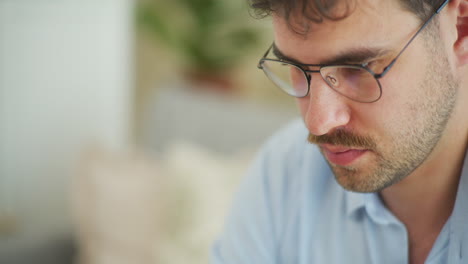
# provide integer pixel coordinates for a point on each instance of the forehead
(371, 24)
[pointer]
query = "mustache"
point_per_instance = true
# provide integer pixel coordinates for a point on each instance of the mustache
(343, 138)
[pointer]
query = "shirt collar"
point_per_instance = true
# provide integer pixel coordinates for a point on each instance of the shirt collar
(354, 202)
(371, 202)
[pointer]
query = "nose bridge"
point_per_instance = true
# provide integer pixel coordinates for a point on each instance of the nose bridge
(325, 109)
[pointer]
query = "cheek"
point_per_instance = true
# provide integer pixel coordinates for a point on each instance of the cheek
(402, 84)
(394, 114)
(303, 105)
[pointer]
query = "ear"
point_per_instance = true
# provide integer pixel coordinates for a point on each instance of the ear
(461, 44)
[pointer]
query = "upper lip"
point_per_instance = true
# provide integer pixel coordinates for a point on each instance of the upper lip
(337, 148)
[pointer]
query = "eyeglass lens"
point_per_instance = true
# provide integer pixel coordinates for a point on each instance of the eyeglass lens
(353, 82)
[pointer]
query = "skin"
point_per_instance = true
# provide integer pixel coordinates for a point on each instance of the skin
(419, 125)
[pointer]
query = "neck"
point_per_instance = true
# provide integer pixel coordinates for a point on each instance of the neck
(429, 192)
(425, 199)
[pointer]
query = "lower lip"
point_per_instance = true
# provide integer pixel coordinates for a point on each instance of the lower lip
(344, 158)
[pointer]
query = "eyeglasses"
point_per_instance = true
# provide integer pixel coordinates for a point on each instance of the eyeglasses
(354, 81)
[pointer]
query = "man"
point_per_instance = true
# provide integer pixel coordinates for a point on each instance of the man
(382, 87)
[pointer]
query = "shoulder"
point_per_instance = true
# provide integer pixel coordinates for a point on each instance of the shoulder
(290, 173)
(287, 179)
(292, 135)
(288, 157)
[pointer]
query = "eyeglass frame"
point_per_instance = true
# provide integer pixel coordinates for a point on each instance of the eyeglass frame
(363, 66)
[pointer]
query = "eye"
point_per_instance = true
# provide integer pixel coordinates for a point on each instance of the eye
(368, 64)
(373, 65)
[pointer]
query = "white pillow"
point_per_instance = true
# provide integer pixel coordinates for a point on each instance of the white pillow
(134, 208)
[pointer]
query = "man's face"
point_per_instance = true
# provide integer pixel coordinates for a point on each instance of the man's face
(372, 146)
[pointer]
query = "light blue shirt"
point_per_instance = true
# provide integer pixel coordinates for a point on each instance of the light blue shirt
(290, 210)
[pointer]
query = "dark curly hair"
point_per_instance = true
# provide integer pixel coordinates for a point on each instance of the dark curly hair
(316, 11)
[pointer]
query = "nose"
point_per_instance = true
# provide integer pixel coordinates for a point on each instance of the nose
(323, 109)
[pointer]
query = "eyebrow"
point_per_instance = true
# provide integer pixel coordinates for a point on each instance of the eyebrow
(353, 56)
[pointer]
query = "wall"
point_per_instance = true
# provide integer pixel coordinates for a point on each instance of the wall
(65, 83)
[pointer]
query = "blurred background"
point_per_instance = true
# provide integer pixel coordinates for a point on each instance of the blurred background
(125, 126)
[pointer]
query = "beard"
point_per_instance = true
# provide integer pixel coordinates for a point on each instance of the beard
(409, 144)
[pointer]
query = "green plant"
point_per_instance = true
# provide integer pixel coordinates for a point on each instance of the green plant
(209, 35)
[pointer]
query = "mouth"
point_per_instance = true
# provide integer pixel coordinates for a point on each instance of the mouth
(340, 155)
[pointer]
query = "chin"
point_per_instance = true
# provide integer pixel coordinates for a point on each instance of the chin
(356, 180)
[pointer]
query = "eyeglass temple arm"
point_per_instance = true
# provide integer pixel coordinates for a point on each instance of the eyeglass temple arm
(411, 40)
(264, 55)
